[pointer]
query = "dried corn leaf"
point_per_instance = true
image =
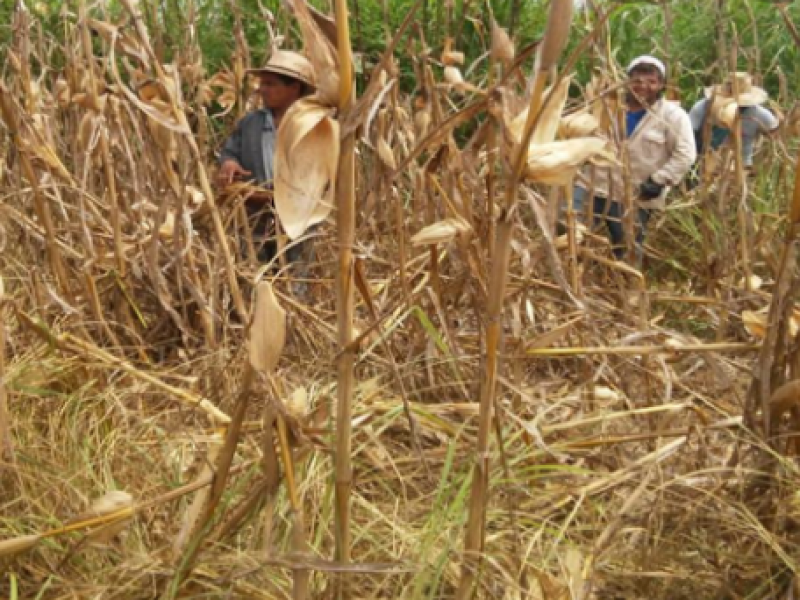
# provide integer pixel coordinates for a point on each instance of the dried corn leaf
(268, 331)
(440, 232)
(321, 53)
(306, 159)
(556, 163)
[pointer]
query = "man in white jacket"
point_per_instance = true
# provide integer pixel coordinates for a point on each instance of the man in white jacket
(660, 148)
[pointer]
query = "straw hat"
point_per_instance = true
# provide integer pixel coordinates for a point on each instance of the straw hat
(291, 64)
(749, 94)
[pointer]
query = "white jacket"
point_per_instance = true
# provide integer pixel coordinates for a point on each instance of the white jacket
(662, 147)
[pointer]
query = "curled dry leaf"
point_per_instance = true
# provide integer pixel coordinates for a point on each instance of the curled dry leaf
(440, 232)
(556, 163)
(268, 331)
(306, 159)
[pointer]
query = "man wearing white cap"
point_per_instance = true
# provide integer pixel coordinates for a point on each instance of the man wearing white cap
(745, 99)
(250, 150)
(660, 147)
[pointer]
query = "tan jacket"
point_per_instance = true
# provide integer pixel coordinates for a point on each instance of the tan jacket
(661, 147)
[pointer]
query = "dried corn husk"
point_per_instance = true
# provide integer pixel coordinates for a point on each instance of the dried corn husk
(502, 49)
(167, 229)
(107, 504)
(453, 76)
(18, 544)
(606, 394)
(452, 57)
(297, 403)
(545, 131)
(556, 163)
(754, 282)
(580, 124)
(268, 331)
(306, 158)
(386, 155)
(422, 120)
(562, 241)
(755, 323)
(440, 232)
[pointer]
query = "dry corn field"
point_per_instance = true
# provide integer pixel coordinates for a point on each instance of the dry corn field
(450, 399)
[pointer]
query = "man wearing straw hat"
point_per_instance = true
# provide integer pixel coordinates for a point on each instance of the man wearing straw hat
(250, 150)
(660, 149)
(737, 97)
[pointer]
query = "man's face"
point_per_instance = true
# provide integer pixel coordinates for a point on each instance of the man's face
(644, 87)
(277, 93)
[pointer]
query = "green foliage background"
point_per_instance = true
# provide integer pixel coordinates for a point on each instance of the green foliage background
(765, 45)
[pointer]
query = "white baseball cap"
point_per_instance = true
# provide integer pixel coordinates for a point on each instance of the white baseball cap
(648, 60)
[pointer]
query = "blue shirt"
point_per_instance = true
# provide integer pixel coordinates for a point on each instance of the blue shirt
(632, 120)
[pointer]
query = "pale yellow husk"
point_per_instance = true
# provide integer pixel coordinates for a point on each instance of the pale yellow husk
(440, 232)
(306, 159)
(268, 332)
(580, 124)
(556, 163)
(547, 128)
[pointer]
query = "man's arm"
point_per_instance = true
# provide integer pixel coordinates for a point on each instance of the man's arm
(767, 122)
(230, 159)
(683, 154)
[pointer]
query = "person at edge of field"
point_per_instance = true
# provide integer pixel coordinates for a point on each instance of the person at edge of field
(661, 149)
(249, 152)
(754, 119)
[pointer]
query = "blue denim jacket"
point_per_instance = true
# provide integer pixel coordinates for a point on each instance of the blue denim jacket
(252, 145)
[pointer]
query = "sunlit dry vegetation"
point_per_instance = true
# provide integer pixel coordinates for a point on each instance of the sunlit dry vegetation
(451, 399)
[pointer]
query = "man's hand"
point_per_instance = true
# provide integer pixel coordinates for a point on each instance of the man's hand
(229, 172)
(649, 189)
